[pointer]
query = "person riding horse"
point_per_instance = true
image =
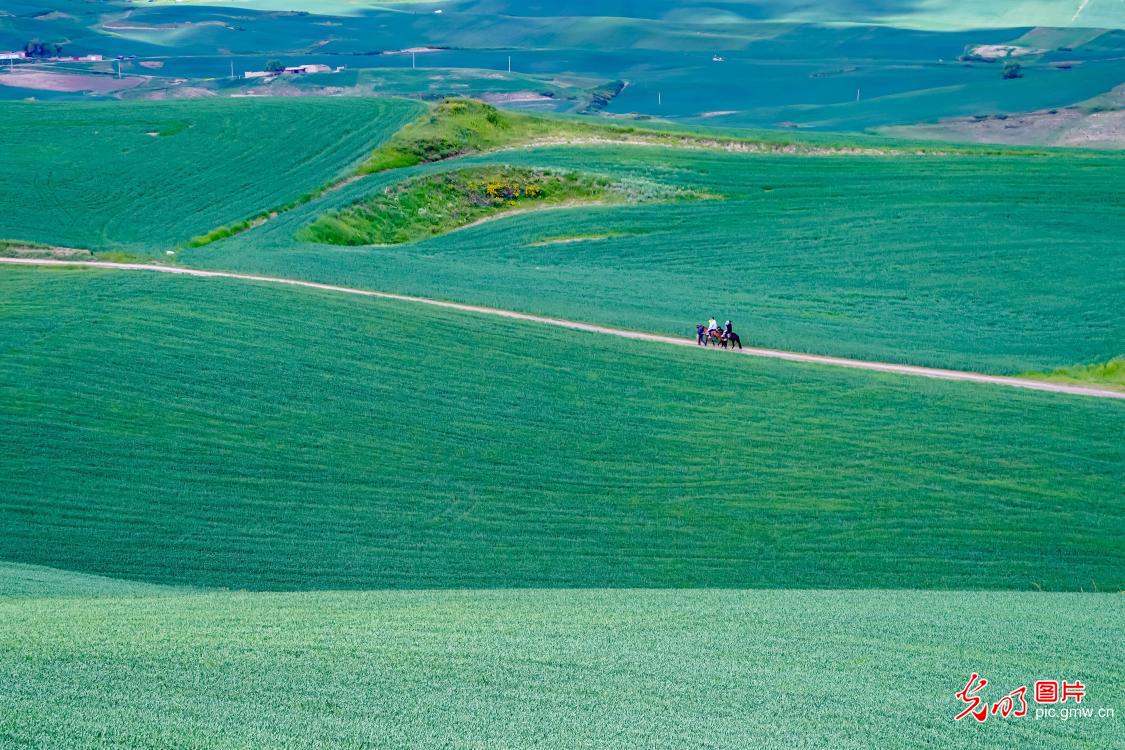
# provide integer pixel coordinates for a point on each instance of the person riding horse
(724, 336)
(730, 338)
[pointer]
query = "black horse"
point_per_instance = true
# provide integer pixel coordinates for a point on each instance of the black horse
(730, 339)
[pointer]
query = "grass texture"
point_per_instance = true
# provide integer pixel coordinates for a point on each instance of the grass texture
(217, 433)
(146, 176)
(1110, 374)
(429, 205)
(993, 263)
(549, 669)
(460, 127)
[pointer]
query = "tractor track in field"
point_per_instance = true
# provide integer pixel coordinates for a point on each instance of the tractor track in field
(855, 364)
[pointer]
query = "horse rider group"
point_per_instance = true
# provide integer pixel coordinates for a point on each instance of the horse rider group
(712, 332)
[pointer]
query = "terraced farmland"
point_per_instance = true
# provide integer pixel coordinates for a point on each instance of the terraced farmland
(147, 177)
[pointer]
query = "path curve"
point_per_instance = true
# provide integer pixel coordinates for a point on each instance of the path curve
(817, 359)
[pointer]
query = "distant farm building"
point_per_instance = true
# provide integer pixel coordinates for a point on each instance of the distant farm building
(294, 70)
(299, 69)
(21, 55)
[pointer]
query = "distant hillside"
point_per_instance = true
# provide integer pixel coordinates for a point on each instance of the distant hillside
(933, 14)
(836, 65)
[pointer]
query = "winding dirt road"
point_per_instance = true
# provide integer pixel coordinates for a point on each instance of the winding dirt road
(816, 359)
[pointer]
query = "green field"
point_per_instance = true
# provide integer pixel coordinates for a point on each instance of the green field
(219, 433)
(550, 669)
(150, 176)
(168, 437)
(245, 513)
(1006, 263)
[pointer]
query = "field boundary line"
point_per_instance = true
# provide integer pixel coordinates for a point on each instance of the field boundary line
(817, 359)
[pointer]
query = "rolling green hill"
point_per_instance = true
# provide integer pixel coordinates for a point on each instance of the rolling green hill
(165, 438)
(225, 434)
(548, 669)
(1000, 261)
(147, 176)
(933, 14)
(259, 514)
(1005, 263)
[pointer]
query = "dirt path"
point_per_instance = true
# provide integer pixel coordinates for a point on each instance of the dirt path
(924, 372)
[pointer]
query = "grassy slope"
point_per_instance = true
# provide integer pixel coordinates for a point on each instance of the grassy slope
(549, 669)
(219, 433)
(89, 175)
(458, 127)
(429, 205)
(19, 581)
(1111, 373)
(934, 14)
(1003, 264)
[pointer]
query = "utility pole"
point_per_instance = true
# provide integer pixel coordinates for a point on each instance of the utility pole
(857, 93)
(509, 63)
(413, 60)
(232, 70)
(659, 98)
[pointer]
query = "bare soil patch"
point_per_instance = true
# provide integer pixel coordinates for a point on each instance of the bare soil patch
(1003, 51)
(572, 240)
(177, 92)
(514, 97)
(32, 251)
(68, 82)
(1073, 127)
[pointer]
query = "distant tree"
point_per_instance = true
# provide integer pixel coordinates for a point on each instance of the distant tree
(38, 48)
(275, 66)
(1012, 70)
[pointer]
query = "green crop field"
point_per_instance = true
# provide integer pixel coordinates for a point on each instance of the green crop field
(609, 669)
(165, 437)
(252, 495)
(1006, 263)
(218, 433)
(149, 177)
